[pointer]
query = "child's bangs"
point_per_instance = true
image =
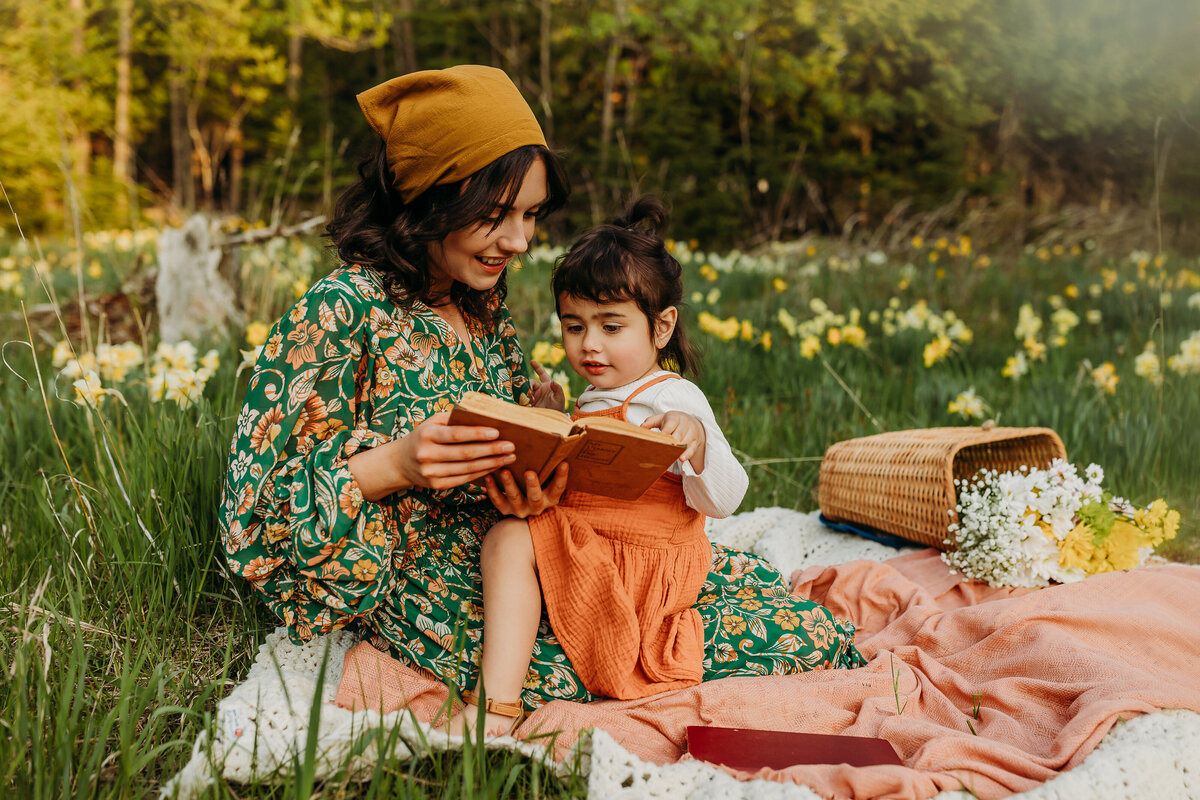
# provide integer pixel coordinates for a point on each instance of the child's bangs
(599, 277)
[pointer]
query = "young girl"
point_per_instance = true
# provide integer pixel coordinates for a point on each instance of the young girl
(619, 578)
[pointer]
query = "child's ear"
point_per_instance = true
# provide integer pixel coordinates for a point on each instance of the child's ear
(664, 326)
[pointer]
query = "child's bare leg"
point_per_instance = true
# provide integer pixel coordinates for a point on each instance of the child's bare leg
(512, 608)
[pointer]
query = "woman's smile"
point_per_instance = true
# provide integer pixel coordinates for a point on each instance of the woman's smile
(494, 265)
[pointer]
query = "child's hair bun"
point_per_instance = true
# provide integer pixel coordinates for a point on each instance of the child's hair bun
(645, 212)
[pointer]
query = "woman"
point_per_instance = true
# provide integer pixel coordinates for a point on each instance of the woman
(349, 500)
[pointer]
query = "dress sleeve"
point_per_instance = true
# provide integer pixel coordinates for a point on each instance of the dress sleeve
(719, 488)
(294, 521)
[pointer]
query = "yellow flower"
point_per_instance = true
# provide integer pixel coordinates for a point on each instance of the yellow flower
(1035, 349)
(1120, 549)
(809, 347)
(548, 354)
(723, 329)
(854, 335)
(256, 333)
(967, 404)
(1015, 367)
(1105, 377)
(1075, 550)
(88, 390)
(766, 341)
(747, 330)
(964, 245)
(933, 256)
(834, 335)
(936, 350)
(708, 272)
(787, 321)
(1072, 291)
(983, 262)
(94, 269)
(779, 284)
(810, 251)
(917, 242)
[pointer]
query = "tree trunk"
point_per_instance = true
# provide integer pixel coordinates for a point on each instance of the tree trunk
(610, 83)
(381, 69)
(122, 153)
(402, 33)
(81, 145)
(545, 77)
(200, 151)
(237, 161)
(295, 69)
(181, 149)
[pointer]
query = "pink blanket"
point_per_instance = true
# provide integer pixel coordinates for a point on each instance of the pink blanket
(1054, 670)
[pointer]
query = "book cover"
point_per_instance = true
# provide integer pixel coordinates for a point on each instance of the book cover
(605, 456)
(752, 749)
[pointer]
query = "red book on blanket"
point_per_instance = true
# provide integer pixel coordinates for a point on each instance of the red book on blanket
(750, 749)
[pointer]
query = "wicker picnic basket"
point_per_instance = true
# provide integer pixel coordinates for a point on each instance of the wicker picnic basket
(902, 482)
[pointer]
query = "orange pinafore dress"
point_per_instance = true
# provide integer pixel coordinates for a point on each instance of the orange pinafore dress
(620, 580)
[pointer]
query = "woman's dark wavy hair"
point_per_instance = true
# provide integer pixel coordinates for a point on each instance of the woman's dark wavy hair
(627, 259)
(374, 227)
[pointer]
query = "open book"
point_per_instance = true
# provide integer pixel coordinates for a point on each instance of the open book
(605, 456)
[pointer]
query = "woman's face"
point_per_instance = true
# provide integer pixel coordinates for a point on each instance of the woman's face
(478, 254)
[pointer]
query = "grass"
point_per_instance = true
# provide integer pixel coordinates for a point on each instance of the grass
(119, 631)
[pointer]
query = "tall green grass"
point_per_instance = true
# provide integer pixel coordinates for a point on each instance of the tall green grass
(119, 631)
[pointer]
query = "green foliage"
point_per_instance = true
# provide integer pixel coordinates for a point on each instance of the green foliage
(756, 120)
(120, 631)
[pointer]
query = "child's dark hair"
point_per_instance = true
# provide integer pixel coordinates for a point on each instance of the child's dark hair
(627, 259)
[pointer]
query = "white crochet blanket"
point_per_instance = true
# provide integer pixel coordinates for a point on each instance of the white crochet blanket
(262, 727)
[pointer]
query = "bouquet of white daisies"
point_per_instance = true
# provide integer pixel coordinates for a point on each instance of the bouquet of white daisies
(1034, 527)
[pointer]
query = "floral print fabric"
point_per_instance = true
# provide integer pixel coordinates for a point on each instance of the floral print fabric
(346, 370)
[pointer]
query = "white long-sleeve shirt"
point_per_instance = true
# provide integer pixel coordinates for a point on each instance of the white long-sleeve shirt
(718, 489)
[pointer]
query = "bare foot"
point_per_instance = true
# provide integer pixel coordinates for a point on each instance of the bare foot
(463, 722)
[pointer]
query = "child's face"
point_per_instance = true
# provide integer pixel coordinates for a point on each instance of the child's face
(611, 344)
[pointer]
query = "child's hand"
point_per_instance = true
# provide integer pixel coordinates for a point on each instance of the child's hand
(546, 392)
(686, 429)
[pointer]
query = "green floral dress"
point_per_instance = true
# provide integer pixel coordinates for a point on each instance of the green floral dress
(346, 370)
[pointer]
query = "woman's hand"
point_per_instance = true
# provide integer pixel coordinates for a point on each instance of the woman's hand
(434, 455)
(686, 429)
(511, 501)
(546, 391)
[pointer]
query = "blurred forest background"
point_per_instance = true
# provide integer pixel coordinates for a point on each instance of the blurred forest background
(758, 120)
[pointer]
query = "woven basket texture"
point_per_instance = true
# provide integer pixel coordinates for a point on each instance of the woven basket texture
(902, 482)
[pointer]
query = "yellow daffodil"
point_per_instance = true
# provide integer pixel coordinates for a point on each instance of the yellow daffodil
(256, 333)
(548, 354)
(1105, 378)
(967, 404)
(723, 329)
(854, 335)
(936, 350)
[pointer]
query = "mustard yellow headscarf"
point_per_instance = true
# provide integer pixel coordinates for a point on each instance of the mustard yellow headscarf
(442, 125)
